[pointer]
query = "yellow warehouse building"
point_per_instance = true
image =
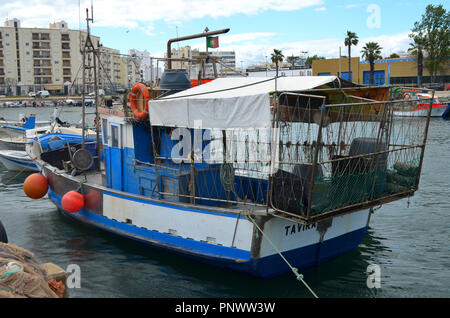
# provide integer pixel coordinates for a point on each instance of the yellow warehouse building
(399, 71)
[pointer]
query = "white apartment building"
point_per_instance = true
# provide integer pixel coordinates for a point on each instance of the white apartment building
(226, 61)
(34, 59)
(134, 72)
(109, 75)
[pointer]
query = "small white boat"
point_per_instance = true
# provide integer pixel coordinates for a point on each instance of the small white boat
(17, 161)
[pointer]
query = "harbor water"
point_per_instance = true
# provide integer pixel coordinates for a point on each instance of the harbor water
(407, 239)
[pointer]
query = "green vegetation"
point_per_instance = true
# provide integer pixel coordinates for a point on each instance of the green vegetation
(371, 52)
(351, 39)
(277, 57)
(310, 59)
(292, 59)
(431, 37)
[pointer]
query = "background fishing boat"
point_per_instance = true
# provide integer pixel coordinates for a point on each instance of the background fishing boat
(420, 109)
(16, 160)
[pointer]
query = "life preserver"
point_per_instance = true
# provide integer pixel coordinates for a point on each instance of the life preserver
(406, 96)
(138, 92)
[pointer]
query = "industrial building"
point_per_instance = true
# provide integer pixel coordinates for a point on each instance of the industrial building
(398, 71)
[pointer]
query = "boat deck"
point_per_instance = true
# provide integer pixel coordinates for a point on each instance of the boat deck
(98, 178)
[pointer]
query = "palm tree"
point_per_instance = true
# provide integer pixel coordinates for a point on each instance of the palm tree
(351, 39)
(416, 48)
(277, 56)
(371, 52)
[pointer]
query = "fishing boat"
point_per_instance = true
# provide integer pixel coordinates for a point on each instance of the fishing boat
(241, 171)
(12, 136)
(17, 137)
(420, 109)
(38, 123)
(20, 160)
(15, 160)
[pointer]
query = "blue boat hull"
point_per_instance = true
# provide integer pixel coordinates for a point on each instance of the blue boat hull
(222, 256)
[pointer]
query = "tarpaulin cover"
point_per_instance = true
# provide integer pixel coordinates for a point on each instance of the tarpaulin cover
(227, 102)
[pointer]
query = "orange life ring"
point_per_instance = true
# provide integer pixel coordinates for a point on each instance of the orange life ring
(138, 92)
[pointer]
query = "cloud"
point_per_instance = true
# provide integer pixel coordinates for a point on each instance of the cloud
(118, 13)
(349, 6)
(320, 9)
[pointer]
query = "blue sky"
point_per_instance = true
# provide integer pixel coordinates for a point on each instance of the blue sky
(257, 26)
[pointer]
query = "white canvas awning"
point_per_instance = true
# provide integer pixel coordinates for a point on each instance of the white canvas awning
(227, 102)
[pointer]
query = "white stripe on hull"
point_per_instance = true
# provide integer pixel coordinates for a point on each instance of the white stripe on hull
(435, 112)
(288, 236)
(198, 226)
(218, 229)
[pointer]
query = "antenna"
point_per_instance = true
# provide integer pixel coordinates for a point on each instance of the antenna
(92, 11)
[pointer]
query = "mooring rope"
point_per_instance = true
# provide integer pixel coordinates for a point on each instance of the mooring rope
(294, 269)
(20, 172)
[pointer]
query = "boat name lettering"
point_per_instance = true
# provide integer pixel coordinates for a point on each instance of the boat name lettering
(295, 228)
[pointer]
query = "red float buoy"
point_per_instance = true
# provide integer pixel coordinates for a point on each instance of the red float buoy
(35, 186)
(72, 201)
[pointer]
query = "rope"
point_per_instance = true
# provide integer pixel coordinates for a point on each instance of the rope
(4, 184)
(294, 269)
(218, 91)
(227, 176)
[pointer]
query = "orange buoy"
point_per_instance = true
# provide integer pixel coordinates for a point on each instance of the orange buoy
(72, 201)
(35, 186)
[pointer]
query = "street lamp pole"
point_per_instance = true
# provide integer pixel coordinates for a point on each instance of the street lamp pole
(266, 65)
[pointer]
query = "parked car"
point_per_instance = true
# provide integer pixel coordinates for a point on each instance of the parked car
(32, 94)
(43, 93)
(87, 102)
(70, 102)
(101, 92)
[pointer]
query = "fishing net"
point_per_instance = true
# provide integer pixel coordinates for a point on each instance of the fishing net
(351, 153)
(328, 150)
(22, 277)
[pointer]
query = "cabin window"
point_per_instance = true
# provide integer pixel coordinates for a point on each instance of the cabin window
(115, 136)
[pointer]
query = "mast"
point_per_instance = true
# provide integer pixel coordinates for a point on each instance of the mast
(89, 48)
